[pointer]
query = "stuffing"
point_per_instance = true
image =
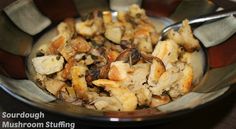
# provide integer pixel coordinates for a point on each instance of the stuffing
(53, 86)
(127, 98)
(176, 80)
(78, 80)
(184, 37)
(156, 70)
(167, 51)
(109, 63)
(118, 71)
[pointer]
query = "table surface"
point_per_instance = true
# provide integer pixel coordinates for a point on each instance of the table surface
(218, 115)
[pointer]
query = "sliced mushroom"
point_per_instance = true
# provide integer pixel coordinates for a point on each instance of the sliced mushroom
(95, 73)
(104, 70)
(131, 56)
(156, 70)
(92, 74)
(125, 44)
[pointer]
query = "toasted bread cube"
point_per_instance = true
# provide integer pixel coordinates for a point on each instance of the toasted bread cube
(53, 86)
(48, 64)
(114, 34)
(118, 71)
(107, 17)
(157, 69)
(78, 80)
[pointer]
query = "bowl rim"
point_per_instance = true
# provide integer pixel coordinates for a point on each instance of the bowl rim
(99, 120)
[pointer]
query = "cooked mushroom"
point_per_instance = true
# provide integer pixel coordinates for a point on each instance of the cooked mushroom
(156, 70)
(92, 74)
(131, 56)
(125, 44)
(95, 73)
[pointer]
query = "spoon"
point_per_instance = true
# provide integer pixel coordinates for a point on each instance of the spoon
(198, 20)
(211, 80)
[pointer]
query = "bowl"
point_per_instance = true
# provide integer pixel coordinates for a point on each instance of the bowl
(25, 22)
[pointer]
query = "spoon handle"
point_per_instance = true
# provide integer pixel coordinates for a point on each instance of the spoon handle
(204, 18)
(214, 16)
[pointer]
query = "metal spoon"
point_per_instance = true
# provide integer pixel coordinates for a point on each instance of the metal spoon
(211, 81)
(198, 20)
